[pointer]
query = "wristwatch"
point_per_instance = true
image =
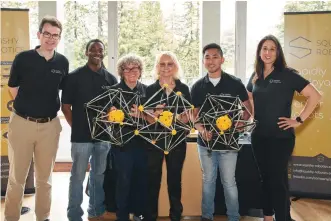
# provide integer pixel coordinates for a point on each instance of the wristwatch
(298, 119)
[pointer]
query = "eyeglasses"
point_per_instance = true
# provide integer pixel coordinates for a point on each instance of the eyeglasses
(169, 65)
(134, 69)
(49, 35)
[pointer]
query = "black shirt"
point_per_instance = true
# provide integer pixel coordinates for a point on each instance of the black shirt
(228, 85)
(128, 95)
(273, 99)
(162, 98)
(81, 86)
(39, 82)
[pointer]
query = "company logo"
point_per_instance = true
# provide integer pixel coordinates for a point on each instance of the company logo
(299, 47)
(56, 71)
(274, 81)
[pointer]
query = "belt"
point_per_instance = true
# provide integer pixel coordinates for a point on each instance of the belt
(36, 120)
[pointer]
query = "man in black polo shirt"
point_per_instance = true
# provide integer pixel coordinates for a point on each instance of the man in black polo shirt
(81, 86)
(217, 82)
(34, 128)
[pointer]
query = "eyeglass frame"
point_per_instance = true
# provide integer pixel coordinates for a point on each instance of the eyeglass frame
(130, 69)
(51, 36)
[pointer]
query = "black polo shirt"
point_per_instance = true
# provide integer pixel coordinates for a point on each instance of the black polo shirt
(228, 85)
(273, 99)
(128, 95)
(81, 86)
(39, 82)
(153, 88)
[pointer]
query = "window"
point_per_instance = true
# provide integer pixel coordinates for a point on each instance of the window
(147, 27)
(228, 35)
(82, 21)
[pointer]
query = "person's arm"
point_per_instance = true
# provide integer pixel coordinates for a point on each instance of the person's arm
(248, 109)
(313, 98)
(15, 76)
(251, 101)
(305, 88)
(66, 109)
(13, 91)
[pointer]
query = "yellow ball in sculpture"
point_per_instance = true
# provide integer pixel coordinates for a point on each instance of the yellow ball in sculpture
(136, 132)
(165, 85)
(223, 123)
(166, 118)
(178, 93)
(116, 116)
(166, 152)
(173, 132)
(141, 108)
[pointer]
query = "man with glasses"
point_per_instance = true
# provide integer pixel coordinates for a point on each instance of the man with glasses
(34, 128)
(82, 85)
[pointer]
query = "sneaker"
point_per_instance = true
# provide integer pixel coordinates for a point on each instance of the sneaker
(138, 218)
(205, 219)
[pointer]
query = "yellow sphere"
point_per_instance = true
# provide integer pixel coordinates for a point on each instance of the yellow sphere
(136, 132)
(223, 123)
(153, 141)
(166, 152)
(179, 93)
(166, 118)
(173, 132)
(116, 116)
(165, 85)
(141, 108)
(192, 130)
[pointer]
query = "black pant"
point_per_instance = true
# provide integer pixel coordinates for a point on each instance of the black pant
(131, 185)
(174, 160)
(272, 155)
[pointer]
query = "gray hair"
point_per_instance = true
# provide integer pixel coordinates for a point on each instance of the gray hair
(127, 60)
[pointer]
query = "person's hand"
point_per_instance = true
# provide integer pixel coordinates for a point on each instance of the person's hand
(286, 123)
(206, 135)
(135, 112)
(239, 125)
(158, 109)
(113, 108)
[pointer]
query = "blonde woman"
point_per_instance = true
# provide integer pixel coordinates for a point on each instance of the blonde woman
(167, 71)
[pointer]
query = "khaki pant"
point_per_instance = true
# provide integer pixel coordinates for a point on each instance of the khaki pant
(29, 140)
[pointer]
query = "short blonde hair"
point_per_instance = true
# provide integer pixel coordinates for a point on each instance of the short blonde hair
(127, 60)
(156, 73)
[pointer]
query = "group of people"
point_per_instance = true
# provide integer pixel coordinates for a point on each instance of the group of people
(37, 76)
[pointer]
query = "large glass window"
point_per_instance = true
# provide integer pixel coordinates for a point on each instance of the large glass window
(82, 21)
(148, 27)
(228, 35)
(33, 17)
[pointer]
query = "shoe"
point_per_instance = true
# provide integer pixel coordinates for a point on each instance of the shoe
(138, 218)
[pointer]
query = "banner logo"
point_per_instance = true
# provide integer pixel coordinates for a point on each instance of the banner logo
(300, 47)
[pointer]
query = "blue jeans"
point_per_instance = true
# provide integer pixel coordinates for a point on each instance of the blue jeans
(81, 154)
(226, 161)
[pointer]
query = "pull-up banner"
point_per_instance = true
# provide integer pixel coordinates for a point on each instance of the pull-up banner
(308, 50)
(14, 39)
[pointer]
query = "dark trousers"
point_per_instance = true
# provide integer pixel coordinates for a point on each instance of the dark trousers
(272, 155)
(131, 185)
(174, 161)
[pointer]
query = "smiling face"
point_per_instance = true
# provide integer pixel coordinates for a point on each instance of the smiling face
(213, 60)
(131, 73)
(49, 37)
(268, 53)
(95, 53)
(167, 66)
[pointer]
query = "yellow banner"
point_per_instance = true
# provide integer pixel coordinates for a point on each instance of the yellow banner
(308, 50)
(14, 39)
